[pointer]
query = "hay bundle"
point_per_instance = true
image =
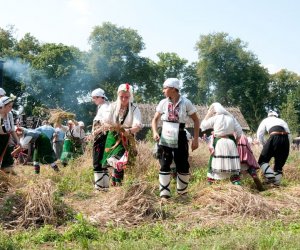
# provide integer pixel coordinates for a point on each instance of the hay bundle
(136, 204)
(38, 205)
(127, 207)
(235, 201)
(58, 115)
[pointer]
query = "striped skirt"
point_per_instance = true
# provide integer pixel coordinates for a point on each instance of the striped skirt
(225, 161)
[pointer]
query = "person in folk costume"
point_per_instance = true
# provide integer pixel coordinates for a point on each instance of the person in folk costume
(8, 136)
(124, 117)
(46, 129)
(174, 111)
(277, 146)
(82, 135)
(58, 140)
(247, 159)
(224, 160)
(101, 176)
(43, 152)
(72, 147)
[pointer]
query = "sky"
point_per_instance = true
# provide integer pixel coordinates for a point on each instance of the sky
(269, 28)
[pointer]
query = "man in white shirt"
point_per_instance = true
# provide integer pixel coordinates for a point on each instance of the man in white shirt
(277, 146)
(174, 111)
(101, 177)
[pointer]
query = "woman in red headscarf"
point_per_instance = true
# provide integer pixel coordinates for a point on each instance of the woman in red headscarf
(124, 119)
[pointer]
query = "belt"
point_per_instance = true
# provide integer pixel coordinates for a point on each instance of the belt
(278, 133)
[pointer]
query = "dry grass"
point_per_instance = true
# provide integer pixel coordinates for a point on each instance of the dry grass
(6, 182)
(127, 207)
(137, 202)
(230, 200)
(58, 115)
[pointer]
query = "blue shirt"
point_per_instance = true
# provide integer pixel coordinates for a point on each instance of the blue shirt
(47, 130)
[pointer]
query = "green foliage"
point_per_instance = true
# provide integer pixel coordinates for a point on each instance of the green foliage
(290, 114)
(46, 234)
(282, 84)
(7, 242)
(81, 230)
(233, 76)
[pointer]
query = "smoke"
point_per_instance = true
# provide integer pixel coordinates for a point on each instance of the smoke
(16, 70)
(65, 91)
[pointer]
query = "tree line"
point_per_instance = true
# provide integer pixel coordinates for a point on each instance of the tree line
(60, 76)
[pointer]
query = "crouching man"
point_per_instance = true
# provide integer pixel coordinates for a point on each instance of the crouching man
(277, 146)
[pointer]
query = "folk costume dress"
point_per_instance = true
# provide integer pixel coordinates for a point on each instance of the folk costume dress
(58, 141)
(6, 145)
(101, 176)
(174, 143)
(247, 158)
(119, 149)
(224, 160)
(43, 152)
(72, 147)
(277, 146)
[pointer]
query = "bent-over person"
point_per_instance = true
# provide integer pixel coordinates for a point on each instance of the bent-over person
(277, 146)
(224, 160)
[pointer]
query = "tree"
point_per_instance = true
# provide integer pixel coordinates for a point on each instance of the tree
(282, 84)
(232, 75)
(57, 77)
(28, 47)
(7, 41)
(114, 58)
(289, 113)
(191, 86)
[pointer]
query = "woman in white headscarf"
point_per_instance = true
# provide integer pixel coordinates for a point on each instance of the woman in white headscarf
(224, 161)
(7, 132)
(124, 120)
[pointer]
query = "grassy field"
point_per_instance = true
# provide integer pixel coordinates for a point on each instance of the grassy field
(63, 211)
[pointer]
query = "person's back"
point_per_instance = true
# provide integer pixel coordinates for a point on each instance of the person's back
(277, 146)
(47, 129)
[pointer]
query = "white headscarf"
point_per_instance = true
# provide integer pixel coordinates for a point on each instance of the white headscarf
(126, 87)
(116, 106)
(216, 109)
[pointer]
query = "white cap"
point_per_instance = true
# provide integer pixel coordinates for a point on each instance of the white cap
(171, 83)
(2, 91)
(99, 92)
(81, 124)
(272, 113)
(5, 100)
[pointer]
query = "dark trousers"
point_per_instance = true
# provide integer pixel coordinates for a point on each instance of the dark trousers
(277, 146)
(98, 150)
(180, 155)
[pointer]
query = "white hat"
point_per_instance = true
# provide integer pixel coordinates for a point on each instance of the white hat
(99, 92)
(5, 100)
(2, 91)
(171, 83)
(81, 124)
(272, 113)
